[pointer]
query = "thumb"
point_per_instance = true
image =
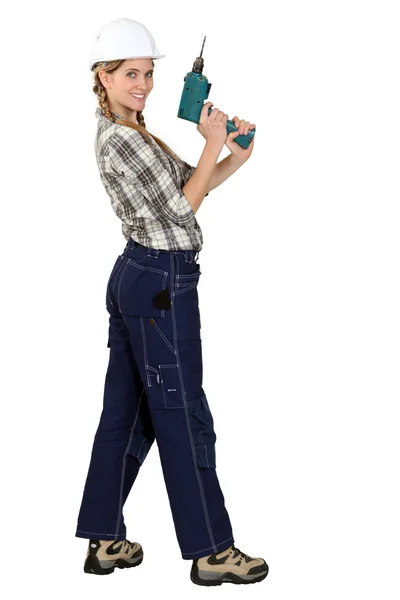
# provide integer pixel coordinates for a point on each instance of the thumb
(233, 134)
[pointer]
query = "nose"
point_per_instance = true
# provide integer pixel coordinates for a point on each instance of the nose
(141, 84)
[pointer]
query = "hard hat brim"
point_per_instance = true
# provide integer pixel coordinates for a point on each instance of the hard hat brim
(98, 60)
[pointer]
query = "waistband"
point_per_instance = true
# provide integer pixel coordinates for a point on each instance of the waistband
(190, 255)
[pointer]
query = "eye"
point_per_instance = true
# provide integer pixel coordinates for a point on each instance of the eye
(133, 73)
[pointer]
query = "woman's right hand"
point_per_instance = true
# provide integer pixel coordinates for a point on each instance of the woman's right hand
(213, 126)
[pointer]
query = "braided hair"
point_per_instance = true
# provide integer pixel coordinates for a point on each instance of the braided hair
(101, 94)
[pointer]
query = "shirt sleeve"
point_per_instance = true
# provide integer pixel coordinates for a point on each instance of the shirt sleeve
(133, 158)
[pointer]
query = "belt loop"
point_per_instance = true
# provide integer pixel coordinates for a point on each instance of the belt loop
(154, 252)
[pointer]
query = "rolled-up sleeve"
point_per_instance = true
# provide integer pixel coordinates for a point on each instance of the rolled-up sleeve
(131, 157)
(187, 171)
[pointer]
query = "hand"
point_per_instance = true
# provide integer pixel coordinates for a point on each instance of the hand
(213, 127)
(243, 128)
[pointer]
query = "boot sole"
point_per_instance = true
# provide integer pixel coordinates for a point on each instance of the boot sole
(93, 565)
(210, 578)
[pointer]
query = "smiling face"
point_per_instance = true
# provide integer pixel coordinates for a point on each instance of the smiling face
(133, 76)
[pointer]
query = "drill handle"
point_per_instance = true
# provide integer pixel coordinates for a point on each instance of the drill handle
(242, 140)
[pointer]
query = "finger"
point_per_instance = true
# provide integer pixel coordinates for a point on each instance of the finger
(206, 108)
(213, 114)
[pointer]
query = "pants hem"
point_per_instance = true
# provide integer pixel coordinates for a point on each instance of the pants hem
(211, 550)
(95, 535)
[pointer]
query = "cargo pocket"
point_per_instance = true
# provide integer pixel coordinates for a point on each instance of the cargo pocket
(171, 386)
(202, 424)
(142, 290)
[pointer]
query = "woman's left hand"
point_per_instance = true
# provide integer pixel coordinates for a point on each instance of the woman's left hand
(236, 149)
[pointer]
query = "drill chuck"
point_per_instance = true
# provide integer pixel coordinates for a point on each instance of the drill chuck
(198, 65)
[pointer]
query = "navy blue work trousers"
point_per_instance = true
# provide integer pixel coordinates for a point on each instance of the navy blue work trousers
(153, 391)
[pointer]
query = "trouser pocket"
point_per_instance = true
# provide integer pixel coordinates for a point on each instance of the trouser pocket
(142, 290)
(171, 386)
(186, 281)
(164, 386)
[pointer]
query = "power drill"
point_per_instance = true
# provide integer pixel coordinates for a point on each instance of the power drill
(195, 91)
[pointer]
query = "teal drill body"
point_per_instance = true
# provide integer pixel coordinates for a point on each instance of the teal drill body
(195, 92)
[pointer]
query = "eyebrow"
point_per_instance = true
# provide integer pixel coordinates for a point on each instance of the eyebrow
(138, 70)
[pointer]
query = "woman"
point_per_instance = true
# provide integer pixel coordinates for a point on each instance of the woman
(153, 386)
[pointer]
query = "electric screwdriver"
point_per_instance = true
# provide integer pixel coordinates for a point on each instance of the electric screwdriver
(195, 91)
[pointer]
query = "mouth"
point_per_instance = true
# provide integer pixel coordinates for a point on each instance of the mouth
(138, 97)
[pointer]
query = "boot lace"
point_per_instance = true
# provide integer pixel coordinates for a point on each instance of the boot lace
(127, 547)
(242, 555)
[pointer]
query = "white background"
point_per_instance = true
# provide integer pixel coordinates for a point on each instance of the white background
(299, 294)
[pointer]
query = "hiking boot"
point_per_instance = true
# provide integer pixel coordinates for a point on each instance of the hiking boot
(104, 555)
(230, 565)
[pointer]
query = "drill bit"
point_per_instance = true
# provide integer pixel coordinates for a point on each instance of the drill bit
(199, 62)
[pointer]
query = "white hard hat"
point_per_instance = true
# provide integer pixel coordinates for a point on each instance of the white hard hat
(123, 38)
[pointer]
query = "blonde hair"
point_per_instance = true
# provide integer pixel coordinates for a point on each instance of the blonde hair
(101, 94)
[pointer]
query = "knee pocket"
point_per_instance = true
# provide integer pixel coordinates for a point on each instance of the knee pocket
(201, 422)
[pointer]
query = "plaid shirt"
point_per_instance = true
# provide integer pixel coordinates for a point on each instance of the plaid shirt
(145, 184)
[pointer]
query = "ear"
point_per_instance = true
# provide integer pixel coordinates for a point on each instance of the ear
(105, 78)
